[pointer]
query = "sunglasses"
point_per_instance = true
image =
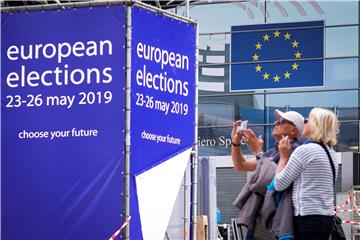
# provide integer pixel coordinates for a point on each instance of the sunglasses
(306, 120)
(284, 121)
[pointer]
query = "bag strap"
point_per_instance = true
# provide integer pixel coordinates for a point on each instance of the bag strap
(330, 160)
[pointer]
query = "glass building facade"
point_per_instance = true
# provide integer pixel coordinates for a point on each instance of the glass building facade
(219, 107)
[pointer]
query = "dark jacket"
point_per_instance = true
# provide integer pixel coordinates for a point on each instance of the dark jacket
(252, 195)
(250, 203)
(277, 212)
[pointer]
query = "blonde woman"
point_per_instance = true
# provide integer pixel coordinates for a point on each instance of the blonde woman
(309, 169)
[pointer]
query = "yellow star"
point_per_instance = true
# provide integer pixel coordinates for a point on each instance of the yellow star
(297, 55)
(276, 78)
(287, 74)
(277, 33)
(287, 35)
(255, 57)
(258, 68)
(266, 76)
(295, 66)
(295, 44)
(266, 37)
(258, 45)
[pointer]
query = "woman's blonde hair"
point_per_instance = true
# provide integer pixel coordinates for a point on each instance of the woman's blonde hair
(325, 126)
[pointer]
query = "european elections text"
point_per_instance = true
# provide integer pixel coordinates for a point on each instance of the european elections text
(157, 80)
(42, 66)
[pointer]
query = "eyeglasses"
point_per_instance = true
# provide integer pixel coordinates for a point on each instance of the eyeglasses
(284, 121)
(306, 120)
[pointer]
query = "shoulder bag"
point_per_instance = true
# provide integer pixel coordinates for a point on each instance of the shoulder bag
(337, 231)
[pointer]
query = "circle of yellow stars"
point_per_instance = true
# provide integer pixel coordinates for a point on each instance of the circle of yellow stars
(294, 66)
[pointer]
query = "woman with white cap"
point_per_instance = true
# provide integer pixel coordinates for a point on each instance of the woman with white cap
(312, 169)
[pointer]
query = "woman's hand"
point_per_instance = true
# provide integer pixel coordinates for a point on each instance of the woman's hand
(284, 147)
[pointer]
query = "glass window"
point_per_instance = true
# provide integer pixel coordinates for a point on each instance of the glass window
(253, 12)
(348, 139)
(341, 41)
(303, 102)
(216, 141)
(333, 12)
(223, 110)
(342, 73)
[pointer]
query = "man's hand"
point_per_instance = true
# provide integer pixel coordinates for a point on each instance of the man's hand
(241, 163)
(235, 135)
(254, 144)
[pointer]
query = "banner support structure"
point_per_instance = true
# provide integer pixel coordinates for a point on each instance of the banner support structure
(194, 153)
(128, 107)
(126, 208)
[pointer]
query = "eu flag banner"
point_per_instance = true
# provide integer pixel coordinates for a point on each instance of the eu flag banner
(272, 56)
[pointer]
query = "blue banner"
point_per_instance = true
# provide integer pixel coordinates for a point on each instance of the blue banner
(62, 102)
(270, 56)
(163, 95)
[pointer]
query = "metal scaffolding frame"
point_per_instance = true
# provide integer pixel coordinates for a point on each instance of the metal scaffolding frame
(126, 175)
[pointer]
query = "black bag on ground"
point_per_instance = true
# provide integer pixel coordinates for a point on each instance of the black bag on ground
(337, 232)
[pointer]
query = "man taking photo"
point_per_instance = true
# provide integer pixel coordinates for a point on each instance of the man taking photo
(287, 124)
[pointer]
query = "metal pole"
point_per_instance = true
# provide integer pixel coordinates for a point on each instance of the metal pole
(186, 218)
(358, 117)
(126, 210)
(185, 204)
(94, 3)
(266, 137)
(188, 8)
(164, 12)
(277, 92)
(265, 11)
(194, 153)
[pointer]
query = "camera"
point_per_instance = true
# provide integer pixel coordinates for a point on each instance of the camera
(242, 126)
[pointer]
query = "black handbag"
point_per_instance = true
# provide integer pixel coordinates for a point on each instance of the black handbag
(337, 232)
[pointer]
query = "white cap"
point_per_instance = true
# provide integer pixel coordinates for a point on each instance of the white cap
(293, 117)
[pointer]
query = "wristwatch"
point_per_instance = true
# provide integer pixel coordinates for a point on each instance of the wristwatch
(259, 155)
